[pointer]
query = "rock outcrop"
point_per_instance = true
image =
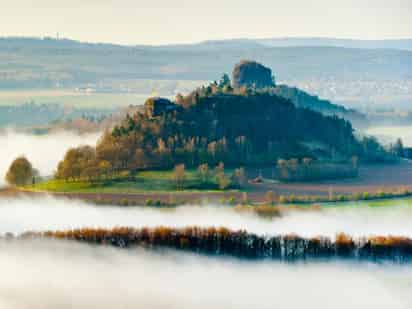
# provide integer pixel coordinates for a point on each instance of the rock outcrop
(251, 74)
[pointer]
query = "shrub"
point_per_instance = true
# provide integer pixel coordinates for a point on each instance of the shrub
(380, 194)
(282, 199)
(232, 200)
(223, 181)
(125, 175)
(357, 196)
(292, 198)
(179, 176)
(124, 202)
(340, 198)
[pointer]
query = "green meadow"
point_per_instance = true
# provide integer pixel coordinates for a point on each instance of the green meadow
(143, 182)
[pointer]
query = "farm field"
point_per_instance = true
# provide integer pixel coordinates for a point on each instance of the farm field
(372, 178)
(159, 185)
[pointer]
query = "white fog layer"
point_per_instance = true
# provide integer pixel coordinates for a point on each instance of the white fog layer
(43, 151)
(24, 214)
(50, 275)
(389, 134)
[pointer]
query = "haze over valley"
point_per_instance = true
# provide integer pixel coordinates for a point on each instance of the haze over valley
(206, 154)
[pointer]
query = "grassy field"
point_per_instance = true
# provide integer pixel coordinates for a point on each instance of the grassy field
(71, 98)
(144, 182)
(385, 202)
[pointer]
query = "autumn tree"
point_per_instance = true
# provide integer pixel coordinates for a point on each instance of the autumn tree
(79, 163)
(282, 166)
(20, 172)
(222, 180)
(204, 173)
(270, 197)
(220, 168)
(179, 176)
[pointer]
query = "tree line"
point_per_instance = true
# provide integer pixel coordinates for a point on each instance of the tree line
(222, 241)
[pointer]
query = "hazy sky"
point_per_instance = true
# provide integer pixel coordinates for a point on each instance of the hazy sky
(181, 21)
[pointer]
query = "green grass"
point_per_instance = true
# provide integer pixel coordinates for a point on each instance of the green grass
(147, 181)
(61, 186)
(378, 203)
(406, 201)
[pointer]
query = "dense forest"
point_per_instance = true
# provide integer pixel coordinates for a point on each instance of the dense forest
(239, 126)
(305, 100)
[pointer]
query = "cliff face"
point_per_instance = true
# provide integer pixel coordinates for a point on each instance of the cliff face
(251, 74)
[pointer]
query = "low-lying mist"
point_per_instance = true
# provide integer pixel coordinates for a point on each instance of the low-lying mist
(43, 151)
(389, 134)
(47, 213)
(49, 274)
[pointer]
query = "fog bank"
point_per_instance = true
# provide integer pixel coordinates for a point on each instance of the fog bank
(47, 213)
(389, 134)
(43, 151)
(49, 275)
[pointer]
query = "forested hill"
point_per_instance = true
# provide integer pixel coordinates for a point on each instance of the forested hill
(237, 126)
(253, 74)
(212, 125)
(303, 99)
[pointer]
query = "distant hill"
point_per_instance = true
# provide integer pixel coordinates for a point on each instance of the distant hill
(251, 74)
(49, 63)
(354, 77)
(401, 44)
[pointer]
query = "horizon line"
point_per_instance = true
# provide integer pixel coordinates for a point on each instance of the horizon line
(217, 40)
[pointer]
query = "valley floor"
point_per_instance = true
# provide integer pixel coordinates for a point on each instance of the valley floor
(372, 179)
